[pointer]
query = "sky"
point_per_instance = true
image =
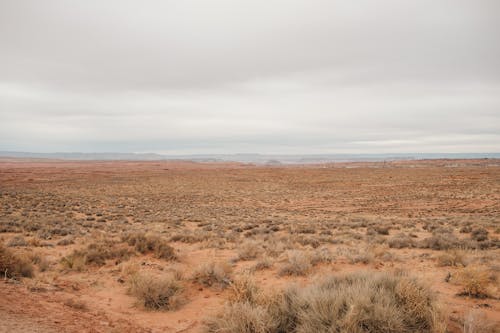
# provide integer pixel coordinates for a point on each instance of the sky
(275, 77)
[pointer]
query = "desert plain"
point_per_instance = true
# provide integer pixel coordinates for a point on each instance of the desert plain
(178, 246)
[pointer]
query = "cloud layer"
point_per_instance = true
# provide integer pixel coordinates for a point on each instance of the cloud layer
(250, 76)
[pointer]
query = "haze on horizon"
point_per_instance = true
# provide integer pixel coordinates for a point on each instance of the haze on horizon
(279, 77)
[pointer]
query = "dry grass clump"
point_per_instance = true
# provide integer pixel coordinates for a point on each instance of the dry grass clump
(297, 263)
(17, 240)
(96, 254)
(355, 303)
(381, 230)
(249, 250)
(475, 282)
(479, 234)
(452, 258)
(156, 292)
(66, 241)
(144, 243)
(440, 241)
(213, 274)
(242, 317)
(12, 265)
(243, 289)
(76, 304)
(401, 241)
(263, 263)
(40, 260)
(186, 236)
(364, 255)
(321, 255)
(75, 261)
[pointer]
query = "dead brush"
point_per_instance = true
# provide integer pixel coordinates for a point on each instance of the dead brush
(455, 257)
(248, 250)
(14, 266)
(243, 289)
(297, 263)
(263, 263)
(156, 292)
(213, 274)
(359, 302)
(475, 282)
(144, 243)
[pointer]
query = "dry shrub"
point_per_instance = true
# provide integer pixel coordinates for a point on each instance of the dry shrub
(243, 289)
(275, 248)
(17, 240)
(364, 255)
(40, 260)
(381, 230)
(156, 292)
(213, 274)
(479, 234)
(263, 263)
(95, 254)
(440, 241)
(321, 255)
(74, 261)
(401, 241)
(66, 241)
(76, 304)
(241, 317)
(186, 236)
(14, 266)
(355, 303)
(452, 258)
(297, 263)
(248, 250)
(475, 281)
(144, 243)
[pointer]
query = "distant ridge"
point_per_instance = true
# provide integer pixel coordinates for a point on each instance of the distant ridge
(248, 158)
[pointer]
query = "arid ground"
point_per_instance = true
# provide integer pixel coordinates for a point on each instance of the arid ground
(177, 246)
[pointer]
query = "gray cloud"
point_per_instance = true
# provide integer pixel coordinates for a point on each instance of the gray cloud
(250, 76)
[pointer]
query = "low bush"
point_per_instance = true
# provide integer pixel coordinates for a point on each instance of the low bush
(474, 281)
(297, 263)
(452, 258)
(17, 240)
(479, 234)
(213, 274)
(156, 292)
(144, 243)
(248, 250)
(355, 303)
(401, 241)
(14, 266)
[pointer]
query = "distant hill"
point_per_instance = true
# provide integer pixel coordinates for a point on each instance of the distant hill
(248, 158)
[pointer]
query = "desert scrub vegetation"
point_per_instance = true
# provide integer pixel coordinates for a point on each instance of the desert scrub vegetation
(453, 257)
(14, 266)
(96, 253)
(213, 274)
(297, 263)
(144, 243)
(156, 292)
(354, 303)
(476, 281)
(248, 250)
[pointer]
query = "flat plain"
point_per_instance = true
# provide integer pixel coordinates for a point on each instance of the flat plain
(210, 247)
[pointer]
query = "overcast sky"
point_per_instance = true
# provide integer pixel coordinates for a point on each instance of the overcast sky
(289, 77)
